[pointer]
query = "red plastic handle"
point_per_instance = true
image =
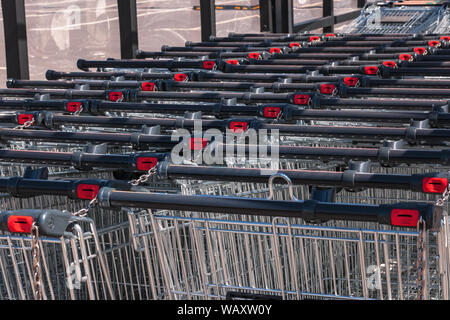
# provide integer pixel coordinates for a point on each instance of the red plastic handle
(327, 88)
(390, 64)
(420, 50)
(351, 81)
(405, 57)
(404, 217)
(254, 55)
(115, 96)
(23, 118)
(197, 143)
(371, 70)
(272, 112)
(20, 224)
(73, 106)
(87, 191)
(302, 99)
(434, 43)
(238, 126)
(434, 185)
(209, 65)
(148, 86)
(180, 77)
(275, 50)
(146, 163)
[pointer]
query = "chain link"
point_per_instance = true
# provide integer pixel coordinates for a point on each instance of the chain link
(83, 212)
(25, 125)
(144, 177)
(77, 113)
(36, 266)
(279, 116)
(445, 195)
(420, 282)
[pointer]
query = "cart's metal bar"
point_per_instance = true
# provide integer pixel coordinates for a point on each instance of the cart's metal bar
(309, 210)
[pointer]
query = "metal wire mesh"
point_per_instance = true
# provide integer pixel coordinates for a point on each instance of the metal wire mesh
(399, 19)
(207, 257)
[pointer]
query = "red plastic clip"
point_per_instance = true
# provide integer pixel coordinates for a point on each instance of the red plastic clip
(22, 118)
(390, 64)
(327, 88)
(20, 224)
(405, 57)
(434, 43)
(420, 50)
(197, 143)
(115, 96)
(87, 191)
(275, 50)
(254, 55)
(294, 44)
(351, 81)
(302, 99)
(404, 217)
(235, 62)
(434, 185)
(180, 77)
(73, 106)
(209, 65)
(371, 70)
(148, 86)
(272, 112)
(330, 35)
(314, 38)
(238, 126)
(446, 38)
(146, 163)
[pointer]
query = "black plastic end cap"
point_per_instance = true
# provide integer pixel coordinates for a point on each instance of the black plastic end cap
(10, 83)
(81, 65)
(51, 75)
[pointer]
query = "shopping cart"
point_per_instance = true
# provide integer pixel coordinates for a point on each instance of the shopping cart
(185, 238)
(213, 256)
(380, 18)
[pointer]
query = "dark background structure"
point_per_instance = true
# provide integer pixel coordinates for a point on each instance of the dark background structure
(47, 34)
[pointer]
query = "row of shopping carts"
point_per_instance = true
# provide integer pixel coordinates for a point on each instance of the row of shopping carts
(253, 166)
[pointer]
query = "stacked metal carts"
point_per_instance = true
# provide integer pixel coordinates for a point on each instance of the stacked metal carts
(118, 182)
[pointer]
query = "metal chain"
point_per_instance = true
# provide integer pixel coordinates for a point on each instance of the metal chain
(83, 212)
(144, 177)
(445, 195)
(420, 282)
(279, 116)
(36, 266)
(25, 125)
(77, 113)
